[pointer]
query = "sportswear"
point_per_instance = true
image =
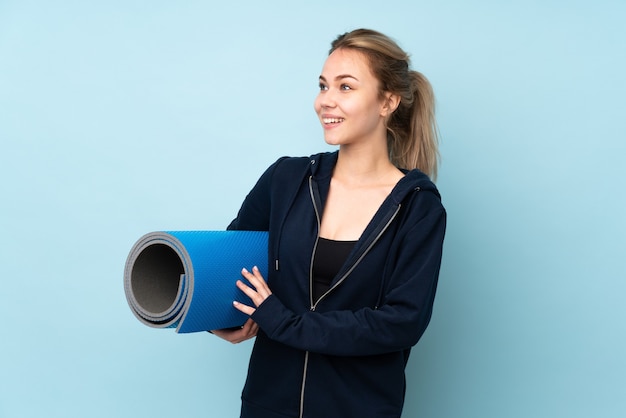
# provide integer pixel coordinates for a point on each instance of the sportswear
(343, 355)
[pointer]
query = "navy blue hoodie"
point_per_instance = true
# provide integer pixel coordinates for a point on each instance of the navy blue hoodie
(345, 354)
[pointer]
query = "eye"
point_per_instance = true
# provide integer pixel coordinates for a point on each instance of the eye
(345, 87)
(323, 87)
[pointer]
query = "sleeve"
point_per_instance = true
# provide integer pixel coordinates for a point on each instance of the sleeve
(254, 214)
(397, 324)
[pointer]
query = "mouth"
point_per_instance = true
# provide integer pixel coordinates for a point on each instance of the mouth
(330, 121)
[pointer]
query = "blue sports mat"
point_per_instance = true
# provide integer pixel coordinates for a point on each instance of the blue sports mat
(186, 279)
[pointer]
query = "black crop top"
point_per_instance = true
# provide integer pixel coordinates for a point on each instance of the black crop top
(329, 257)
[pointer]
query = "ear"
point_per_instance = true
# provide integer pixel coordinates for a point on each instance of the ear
(390, 103)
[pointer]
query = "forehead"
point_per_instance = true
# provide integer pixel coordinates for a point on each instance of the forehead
(347, 62)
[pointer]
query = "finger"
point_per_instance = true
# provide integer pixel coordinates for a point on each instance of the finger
(250, 328)
(248, 310)
(256, 279)
(232, 336)
(256, 298)
(247, 331)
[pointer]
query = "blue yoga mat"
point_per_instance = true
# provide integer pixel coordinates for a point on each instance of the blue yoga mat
(186, 279)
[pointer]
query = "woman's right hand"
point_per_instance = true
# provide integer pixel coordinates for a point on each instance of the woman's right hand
(237, 335)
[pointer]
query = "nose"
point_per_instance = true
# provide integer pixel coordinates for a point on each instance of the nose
(325, 99)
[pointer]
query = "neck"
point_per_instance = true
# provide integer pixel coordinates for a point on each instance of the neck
(364, 165)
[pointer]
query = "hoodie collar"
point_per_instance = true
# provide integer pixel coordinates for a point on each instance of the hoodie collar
(322, 165)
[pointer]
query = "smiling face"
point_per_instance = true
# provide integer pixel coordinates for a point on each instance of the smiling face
(349, 104)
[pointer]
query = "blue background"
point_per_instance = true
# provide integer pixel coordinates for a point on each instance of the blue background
(119, 118)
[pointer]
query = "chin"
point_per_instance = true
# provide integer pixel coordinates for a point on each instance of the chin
(332, 141)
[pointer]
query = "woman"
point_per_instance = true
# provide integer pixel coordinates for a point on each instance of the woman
(355, 242)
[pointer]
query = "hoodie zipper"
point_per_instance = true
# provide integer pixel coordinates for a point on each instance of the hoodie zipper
(345, 275)
(306, 353)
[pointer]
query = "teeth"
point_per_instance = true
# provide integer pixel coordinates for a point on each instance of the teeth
(332, 120)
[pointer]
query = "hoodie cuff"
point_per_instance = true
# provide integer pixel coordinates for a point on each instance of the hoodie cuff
(270, 314)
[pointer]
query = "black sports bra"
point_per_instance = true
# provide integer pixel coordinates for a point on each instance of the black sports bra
(329, 257)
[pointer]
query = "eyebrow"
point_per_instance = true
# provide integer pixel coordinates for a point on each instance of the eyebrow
(340, 77)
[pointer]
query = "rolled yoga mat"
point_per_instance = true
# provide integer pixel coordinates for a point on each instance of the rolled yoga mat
(186, 279)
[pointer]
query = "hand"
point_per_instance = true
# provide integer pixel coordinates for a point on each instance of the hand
(258, 294)
(235, 336)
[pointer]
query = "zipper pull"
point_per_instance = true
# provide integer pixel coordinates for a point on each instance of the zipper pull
(276, 264)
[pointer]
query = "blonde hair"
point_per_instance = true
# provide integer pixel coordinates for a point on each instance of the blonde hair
(412, 136)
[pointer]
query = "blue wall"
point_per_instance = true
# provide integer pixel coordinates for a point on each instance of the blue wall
(123, 117)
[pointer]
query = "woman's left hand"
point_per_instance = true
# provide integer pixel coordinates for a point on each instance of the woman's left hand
(257, 294)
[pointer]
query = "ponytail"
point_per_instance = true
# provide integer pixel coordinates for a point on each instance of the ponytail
(412, 129)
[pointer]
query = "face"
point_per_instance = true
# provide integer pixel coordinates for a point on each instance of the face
(349, 105)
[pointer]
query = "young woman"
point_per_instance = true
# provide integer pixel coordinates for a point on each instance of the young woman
(355, 243)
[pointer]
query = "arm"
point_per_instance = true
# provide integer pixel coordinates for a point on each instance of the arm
(397, 324)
